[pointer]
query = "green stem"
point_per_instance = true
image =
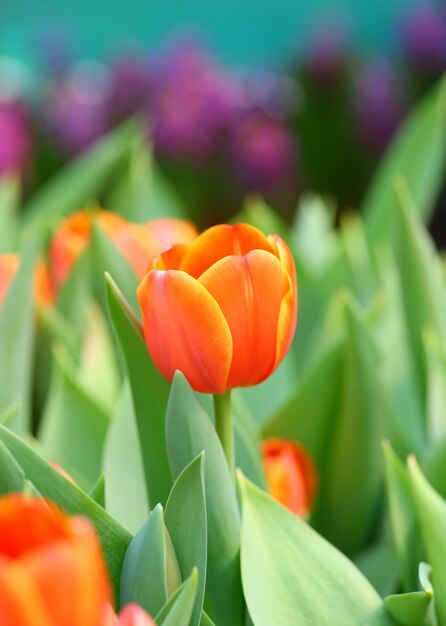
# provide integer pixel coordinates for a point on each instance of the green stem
(223, 426)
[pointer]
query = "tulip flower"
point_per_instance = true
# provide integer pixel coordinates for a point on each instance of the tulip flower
(222, 309)
(291, 475)
(138, 243)
(51, 567)
(9, 264)
(131, 615)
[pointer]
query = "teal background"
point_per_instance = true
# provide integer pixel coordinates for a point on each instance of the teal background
(240, 31)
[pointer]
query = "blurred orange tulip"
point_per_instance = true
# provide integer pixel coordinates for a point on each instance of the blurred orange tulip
(52, 571)
(222, 309)
(9, 264)
(131, 615)
(138, 243)
(291, 475)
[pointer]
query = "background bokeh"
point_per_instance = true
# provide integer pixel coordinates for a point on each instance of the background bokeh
(271, 98)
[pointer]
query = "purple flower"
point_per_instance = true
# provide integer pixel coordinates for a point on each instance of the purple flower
(380, 105)
(16, 142)
(78, 108)
(130, 84)
(326, 57)
(192, 103)
(262, 152)
(424, 37)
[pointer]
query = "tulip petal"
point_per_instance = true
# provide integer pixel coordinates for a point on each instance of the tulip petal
(283, 253)
(68, 568)
(170, 259)
(219, 242)
(134, 615)
(164, 232)
(8, 267)
(288, 310)
(68, 243)
(20, 600)
(185, 330)
(249, 290)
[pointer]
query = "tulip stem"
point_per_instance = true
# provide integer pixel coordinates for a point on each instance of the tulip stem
(223, 426)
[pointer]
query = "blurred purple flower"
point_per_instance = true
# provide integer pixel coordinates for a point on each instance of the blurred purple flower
(276, 94)
(380, 104)
(424, 36)
(130, 84)
(326, 57)
(15, 138)
(262, 153)
(192, 102)
(78, 108)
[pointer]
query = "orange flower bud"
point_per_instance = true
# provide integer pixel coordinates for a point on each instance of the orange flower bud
(138, 243)
(291, 475)
(222, 309)
(51, 567)
(9, 264)
(43, 287)
(68, 243)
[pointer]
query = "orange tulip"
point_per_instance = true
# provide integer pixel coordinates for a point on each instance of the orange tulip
(138, 243)
(9, 264)
(221, 309)
(52, 571)
(291, 475)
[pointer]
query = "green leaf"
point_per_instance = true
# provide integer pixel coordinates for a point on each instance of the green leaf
(97, 492)
(9, 199)
(52, 485)
(185, 519)
(206, 620)
(406, 426)
(436, 385)
(314, 234)
(16, 344)
(143, 576)
(410, 609)
(402, 518)
(352, 467)
(107, 258)
(257, 213)
(73, 297)
(7, 416)
(125, 489)
(180, 606)
(359, 259)
(247, 443)
(421, 281)
(189, 431)
(431, 511)
(378, 565)
(79, 182)
(142, 192)
(419, 155)
(73, 426)
(150, 391)
(12, 477)
(292, 421)
(265, 399)
(292, 576)
(98, 371)
(434, 466)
